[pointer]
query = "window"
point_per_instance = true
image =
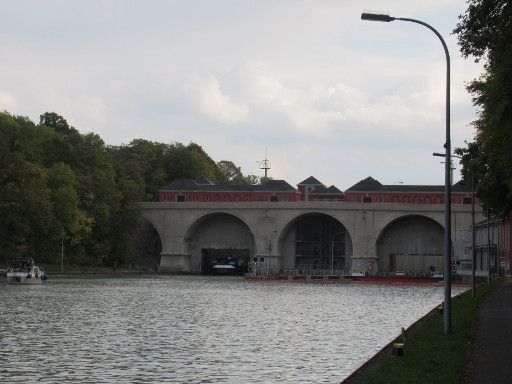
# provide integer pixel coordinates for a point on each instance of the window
(367, 199)
(180, 199)
(274, 198)
(466, 200)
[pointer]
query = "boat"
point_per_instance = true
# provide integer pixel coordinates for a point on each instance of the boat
(227, 267)
(24, 271)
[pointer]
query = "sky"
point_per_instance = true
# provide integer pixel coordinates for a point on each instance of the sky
(306, 83)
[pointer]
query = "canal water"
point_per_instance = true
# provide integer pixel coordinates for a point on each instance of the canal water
(188, 329)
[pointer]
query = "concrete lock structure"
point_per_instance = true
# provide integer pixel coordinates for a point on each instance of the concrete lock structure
(370, 228)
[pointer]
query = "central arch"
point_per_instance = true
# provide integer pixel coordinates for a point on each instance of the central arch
(315, 241)
(219, 238)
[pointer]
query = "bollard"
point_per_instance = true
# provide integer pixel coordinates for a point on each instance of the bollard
(440, 308)
(398, 349)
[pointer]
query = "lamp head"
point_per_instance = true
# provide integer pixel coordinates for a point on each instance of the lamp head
(376, 17)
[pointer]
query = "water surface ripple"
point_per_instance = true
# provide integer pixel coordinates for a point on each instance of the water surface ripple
(186, 329)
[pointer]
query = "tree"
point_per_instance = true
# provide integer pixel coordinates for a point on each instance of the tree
(485, 32)
(57, 122)
(231, 174)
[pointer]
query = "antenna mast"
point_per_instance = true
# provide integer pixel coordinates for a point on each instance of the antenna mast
(265, 164)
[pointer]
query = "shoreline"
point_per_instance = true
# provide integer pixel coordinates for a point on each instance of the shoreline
(386, 351)
(428, 282)
(368, 280)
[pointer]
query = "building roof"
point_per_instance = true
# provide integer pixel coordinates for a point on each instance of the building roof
(203, 180)
(204, 185)
(367, 185)
(332, 190)
(310, 181)
(371, 185)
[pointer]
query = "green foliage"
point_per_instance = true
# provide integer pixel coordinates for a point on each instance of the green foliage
(57, 184)
(231, 174)
(485, 32)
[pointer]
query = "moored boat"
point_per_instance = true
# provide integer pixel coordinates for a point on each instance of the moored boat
(227, 266)
(24, 271)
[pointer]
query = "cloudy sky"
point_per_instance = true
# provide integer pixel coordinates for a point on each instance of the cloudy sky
(323, 92)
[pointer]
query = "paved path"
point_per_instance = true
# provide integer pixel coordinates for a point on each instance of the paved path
(491, 360)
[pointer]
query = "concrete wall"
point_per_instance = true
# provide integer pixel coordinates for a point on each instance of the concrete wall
(180, 224)
(411, 244)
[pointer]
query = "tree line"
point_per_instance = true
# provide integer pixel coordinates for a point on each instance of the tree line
(58, 185)
(485, 34)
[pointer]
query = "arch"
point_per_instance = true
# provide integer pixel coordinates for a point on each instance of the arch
(291, 221)
(147, 244)
(217, 237)
(315, 240)
(411, 243)
(154, 218)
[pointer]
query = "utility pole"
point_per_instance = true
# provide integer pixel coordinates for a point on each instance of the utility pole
(265, 164)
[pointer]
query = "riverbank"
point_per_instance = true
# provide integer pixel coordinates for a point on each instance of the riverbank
(429, 355)
(430, 282)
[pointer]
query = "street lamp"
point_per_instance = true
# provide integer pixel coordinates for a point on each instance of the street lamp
(447, 190)
(473, 242)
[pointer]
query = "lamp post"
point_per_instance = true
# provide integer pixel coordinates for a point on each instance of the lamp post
(447, 192)
(473, 241)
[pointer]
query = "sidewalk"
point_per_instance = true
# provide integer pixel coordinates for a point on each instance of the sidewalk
(491, 358)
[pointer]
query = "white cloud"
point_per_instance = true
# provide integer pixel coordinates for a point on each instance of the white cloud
(310, 80)
(207, 96)
(300, 106)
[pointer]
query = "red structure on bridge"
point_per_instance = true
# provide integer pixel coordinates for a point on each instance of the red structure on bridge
(368, 190)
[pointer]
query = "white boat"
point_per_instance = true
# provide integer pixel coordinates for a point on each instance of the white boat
(23, 271)
(227, 267)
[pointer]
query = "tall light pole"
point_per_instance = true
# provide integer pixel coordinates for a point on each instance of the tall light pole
(447, 312)
(473, 241)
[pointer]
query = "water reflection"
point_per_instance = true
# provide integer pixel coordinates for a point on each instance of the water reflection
(198, 329)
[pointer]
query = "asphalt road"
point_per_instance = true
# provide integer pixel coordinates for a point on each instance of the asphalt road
(491, 358)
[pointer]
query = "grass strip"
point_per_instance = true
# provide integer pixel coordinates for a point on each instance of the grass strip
(429, 355)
